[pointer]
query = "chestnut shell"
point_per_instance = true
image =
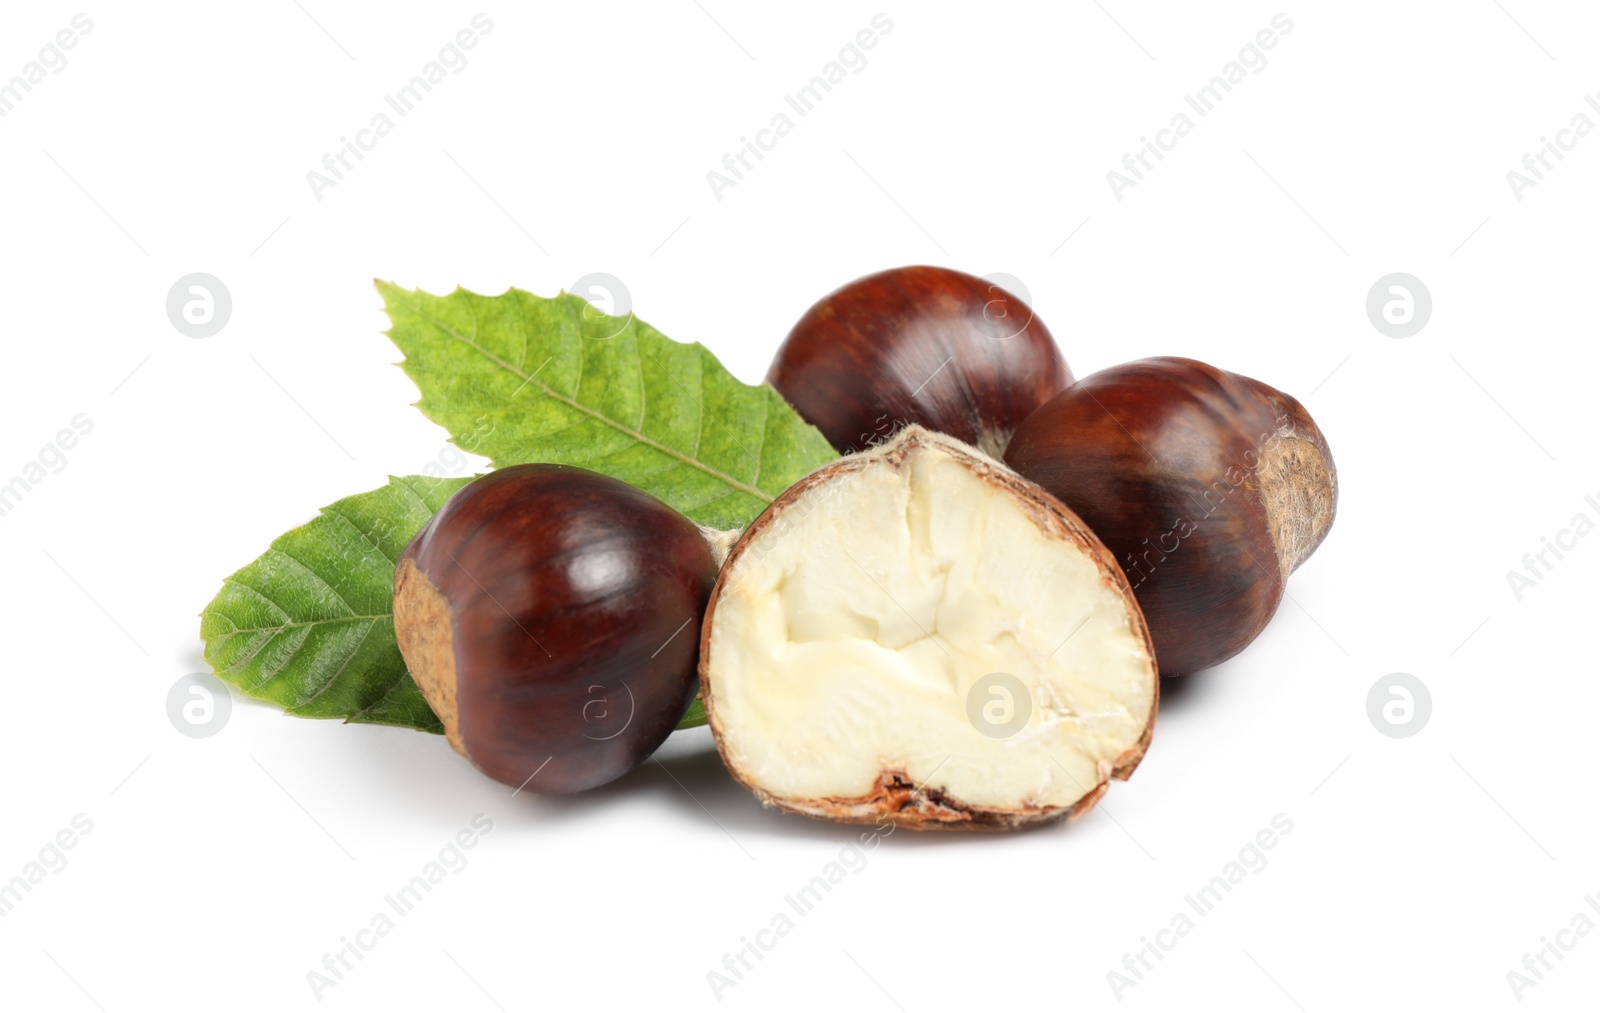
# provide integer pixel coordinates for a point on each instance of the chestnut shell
(1208, 487)
(552, 617)
(918, 345)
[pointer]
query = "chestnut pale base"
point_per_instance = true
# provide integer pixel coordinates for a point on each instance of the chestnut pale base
(1209, 488)
(549, 616)
(427, 641)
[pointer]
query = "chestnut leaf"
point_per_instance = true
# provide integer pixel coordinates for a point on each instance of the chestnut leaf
(310, 625)
(521, 379)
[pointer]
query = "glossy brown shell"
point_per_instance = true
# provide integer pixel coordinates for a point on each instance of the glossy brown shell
(921, 346)
(551, 616)
(1207, 486)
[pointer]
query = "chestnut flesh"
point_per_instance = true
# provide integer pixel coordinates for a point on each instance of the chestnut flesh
(1210, 488)
(918, 345)
(914, 635)
(551, 616)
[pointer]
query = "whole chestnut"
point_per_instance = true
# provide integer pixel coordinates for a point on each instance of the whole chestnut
(551, 616)
(1210, 488)
(918, 345)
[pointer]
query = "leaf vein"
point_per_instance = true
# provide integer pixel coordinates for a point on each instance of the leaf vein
(241, 662)
(320, 578)
(294, 652)
(236, 582)
(372, 542)
(344, 665)
(286, 626)
(401, 676)
(593, 413)
(766, 421)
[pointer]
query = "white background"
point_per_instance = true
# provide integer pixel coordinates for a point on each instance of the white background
(1376, 139)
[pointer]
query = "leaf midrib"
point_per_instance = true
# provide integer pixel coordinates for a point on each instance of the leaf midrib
(286, 626)
(577, 406)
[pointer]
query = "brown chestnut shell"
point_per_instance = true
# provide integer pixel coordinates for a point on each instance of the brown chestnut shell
(1208, 487)
(551, 616)
(918, 345)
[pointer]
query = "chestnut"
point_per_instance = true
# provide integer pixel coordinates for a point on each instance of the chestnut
(918, 345)
(1210, 488)
(914, 635)
(551, 616)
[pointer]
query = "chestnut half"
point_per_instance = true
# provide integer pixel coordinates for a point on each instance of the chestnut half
(918, 345)
(915, 636)
(1210, 488)
(551, 616)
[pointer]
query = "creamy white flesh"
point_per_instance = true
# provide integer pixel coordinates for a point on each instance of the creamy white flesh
(851, 631)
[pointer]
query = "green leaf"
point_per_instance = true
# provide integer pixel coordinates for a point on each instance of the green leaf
(310, 625)
(695, 716)
(518, 378)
